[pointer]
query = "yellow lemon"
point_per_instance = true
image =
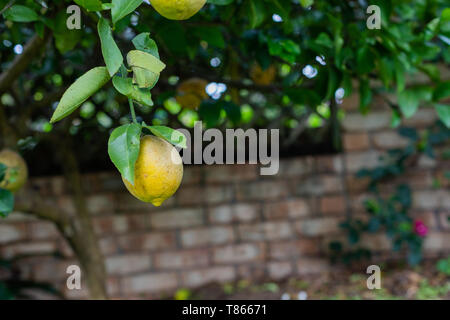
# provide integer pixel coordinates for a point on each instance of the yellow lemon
(191, 93)
(158, 171)
(16, 173)
(263, 77)
(177, 9)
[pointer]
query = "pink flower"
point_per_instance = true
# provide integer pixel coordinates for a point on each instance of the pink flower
(420, 228)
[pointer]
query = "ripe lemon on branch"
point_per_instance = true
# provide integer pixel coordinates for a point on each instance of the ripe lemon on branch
(177, 9)
(16, 173)
(158, 171)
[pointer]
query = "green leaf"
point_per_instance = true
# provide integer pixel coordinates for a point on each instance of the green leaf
(19, 13)
(143, 42)
(144, 78)
(80, 91)
(111, 53)
(365, 95)
(125, 86)
(212, 35)
(123, 149)
(144, 60)
(442, 91)
(256, 11)
(209, 112)
(170, 135)
(443, 112)
(121, 8)
(3, 169)
(306, 3)
(6, 202)
(220, 2)
(408, 102)
(90, 5)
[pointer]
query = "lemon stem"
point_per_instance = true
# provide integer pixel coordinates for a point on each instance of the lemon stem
(133, 113)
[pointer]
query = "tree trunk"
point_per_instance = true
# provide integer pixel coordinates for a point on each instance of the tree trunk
(80, 231)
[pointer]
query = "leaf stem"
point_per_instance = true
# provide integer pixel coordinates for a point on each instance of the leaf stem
(133, 113)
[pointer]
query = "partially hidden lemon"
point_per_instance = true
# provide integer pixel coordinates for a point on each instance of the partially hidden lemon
(191, 93)
(16, 172)
(263, 77)
(177, 9)
(158, 171)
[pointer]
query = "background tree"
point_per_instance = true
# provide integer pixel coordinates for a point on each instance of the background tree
(283, 64)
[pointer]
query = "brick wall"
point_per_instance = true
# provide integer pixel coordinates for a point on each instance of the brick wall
(227, 222)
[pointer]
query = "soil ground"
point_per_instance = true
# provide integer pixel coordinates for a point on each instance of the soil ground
(400, 282)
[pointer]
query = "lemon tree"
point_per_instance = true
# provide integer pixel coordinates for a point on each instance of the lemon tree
(157, 177)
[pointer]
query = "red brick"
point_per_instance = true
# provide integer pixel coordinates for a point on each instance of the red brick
(437, 241)
(33, 248)
(240, 212)
(295, 167)
(47, 269)
(100, 203)
(239, 253)
(111, 224)
(108, 245)
(351, 103)
(357, 184)
(389, 140)
(218, 194)
(329, 164)
(424, 117)
(202, 277)
(432, 199)
(356, 161)
(147, 241)
(148, 283)
(192, 175)
(112, 287)
(319, 185)
(190, 195)
(318, 226)
(255, 272)
(176, 218)
(263, 190)
(137, 222)
(375, 242)
(372, 121)
(126, 264)
(265, 231)
(291, 208)
(206, 236)
(59, 186)
(181, 259)
(230, 173)
(279, 270)
(306, 266)
(67, 204)
(356, 141)
(293, 248)
(109, 181)
(332, 204)
(12, 232)
(426, 162)
(43, 230)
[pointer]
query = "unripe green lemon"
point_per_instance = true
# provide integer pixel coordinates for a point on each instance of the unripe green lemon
(16, 172)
